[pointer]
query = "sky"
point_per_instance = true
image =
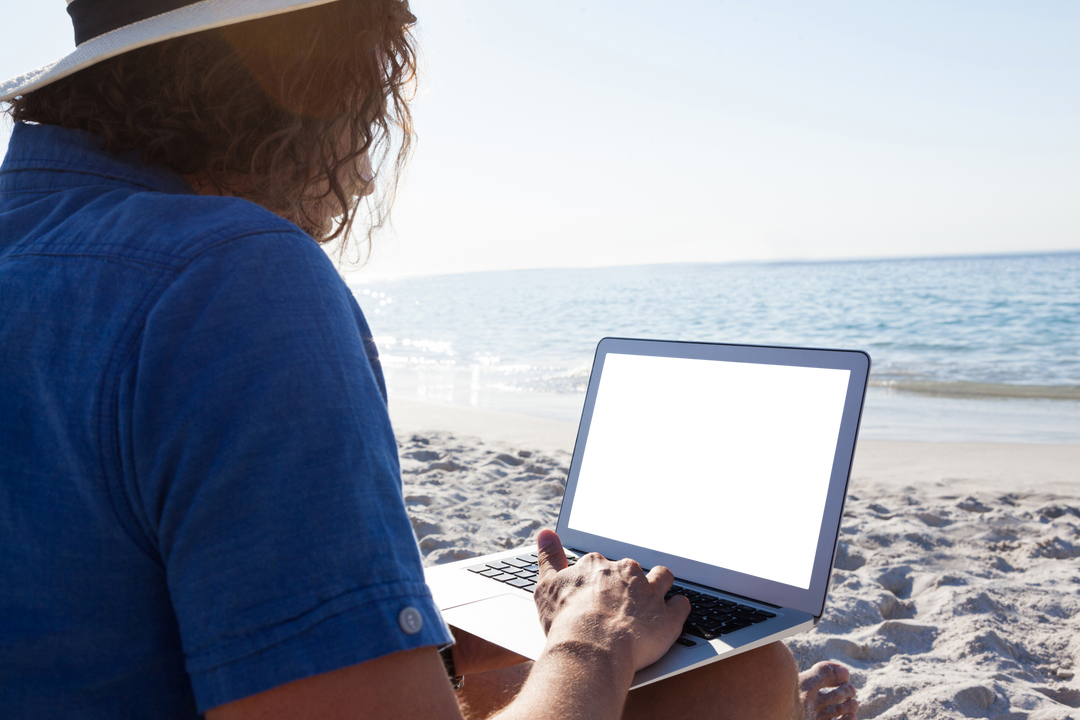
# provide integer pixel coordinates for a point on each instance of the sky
(576, 134)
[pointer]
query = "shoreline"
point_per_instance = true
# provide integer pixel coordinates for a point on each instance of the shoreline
(889, 414)
(923, 463)
(964, 389)
(525, 432)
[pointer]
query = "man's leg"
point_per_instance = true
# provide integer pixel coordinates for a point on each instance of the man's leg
(759, 684)
(762, 683)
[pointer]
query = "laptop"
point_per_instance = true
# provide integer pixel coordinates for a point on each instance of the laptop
(727, 464)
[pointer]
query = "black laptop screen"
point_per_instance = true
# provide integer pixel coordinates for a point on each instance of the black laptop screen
(725, 463)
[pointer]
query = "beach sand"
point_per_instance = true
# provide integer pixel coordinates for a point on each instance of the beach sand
(956, 592)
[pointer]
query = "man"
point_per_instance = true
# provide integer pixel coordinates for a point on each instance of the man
(200, 496)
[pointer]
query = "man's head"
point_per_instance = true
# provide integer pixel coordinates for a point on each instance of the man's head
(283, 110)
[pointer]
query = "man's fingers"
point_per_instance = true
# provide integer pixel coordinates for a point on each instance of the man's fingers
(550, 554)
(679, 607)
(661, 577)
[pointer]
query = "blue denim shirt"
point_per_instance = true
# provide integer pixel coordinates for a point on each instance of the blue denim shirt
(200, 496)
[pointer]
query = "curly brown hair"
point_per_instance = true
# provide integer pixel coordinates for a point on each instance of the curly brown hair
(279, 110)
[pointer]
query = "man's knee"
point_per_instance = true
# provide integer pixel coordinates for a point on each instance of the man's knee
(773, 661)
(771, 669)
(761, 683)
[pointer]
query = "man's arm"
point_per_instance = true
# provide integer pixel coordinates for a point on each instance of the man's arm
(408, 685)
(412, 685)
(604, 620)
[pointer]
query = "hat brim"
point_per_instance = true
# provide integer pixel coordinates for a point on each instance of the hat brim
(190, 19)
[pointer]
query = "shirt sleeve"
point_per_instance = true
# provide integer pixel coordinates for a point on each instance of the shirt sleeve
(261, 462)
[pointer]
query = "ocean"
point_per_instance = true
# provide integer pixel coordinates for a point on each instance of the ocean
(980, 349)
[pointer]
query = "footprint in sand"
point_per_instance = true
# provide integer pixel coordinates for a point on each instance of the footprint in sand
(972, 505)
(884, 642)
(974, 700)
(423, 526)
(414, 501)
(421, 455)
(897, 580)
(934, 519)
(507, 459)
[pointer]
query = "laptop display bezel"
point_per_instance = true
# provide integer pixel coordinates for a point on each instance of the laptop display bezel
(810, 600)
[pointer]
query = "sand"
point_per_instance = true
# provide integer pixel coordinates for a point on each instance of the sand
(956, 592)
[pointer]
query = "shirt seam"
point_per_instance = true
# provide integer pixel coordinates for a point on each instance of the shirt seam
(122, 358)
(58, 166)
(242, 646)
(179, 263)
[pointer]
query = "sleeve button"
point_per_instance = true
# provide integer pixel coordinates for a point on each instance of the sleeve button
(410, 620)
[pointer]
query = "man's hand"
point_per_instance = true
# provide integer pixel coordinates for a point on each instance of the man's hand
(613, 605)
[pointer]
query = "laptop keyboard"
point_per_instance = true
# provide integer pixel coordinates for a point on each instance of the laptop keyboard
(520, 572)
(710, 616)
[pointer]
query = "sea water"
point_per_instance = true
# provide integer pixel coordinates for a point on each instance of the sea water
(964, 349)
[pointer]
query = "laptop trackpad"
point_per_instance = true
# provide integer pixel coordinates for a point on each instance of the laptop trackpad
(509, 621)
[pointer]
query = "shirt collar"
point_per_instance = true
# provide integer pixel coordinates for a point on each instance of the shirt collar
(51, 148)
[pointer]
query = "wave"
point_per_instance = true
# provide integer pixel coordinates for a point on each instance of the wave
(967, 389)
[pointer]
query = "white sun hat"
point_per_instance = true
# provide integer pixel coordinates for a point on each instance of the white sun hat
(107, 28)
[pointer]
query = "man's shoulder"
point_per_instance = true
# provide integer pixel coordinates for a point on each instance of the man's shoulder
(180, 228)
(60, 194)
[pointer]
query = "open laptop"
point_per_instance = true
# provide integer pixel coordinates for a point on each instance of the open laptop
(728, 464)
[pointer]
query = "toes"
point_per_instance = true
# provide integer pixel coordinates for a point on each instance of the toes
(823, 675)
(832, 702)
(826, 693)
(847, 708)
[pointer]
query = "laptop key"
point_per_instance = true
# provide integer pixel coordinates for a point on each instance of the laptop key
(733, 627)
(518, 562)
(520, 583)
(693, 630)
(707, 633)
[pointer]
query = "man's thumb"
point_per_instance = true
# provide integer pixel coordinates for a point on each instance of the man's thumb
(550, 554)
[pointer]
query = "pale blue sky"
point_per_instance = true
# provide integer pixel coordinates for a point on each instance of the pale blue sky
(602, 133)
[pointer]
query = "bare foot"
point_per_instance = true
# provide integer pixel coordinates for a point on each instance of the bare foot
(826, 694)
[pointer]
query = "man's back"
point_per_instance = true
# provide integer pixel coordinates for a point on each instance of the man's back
(140, 493)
